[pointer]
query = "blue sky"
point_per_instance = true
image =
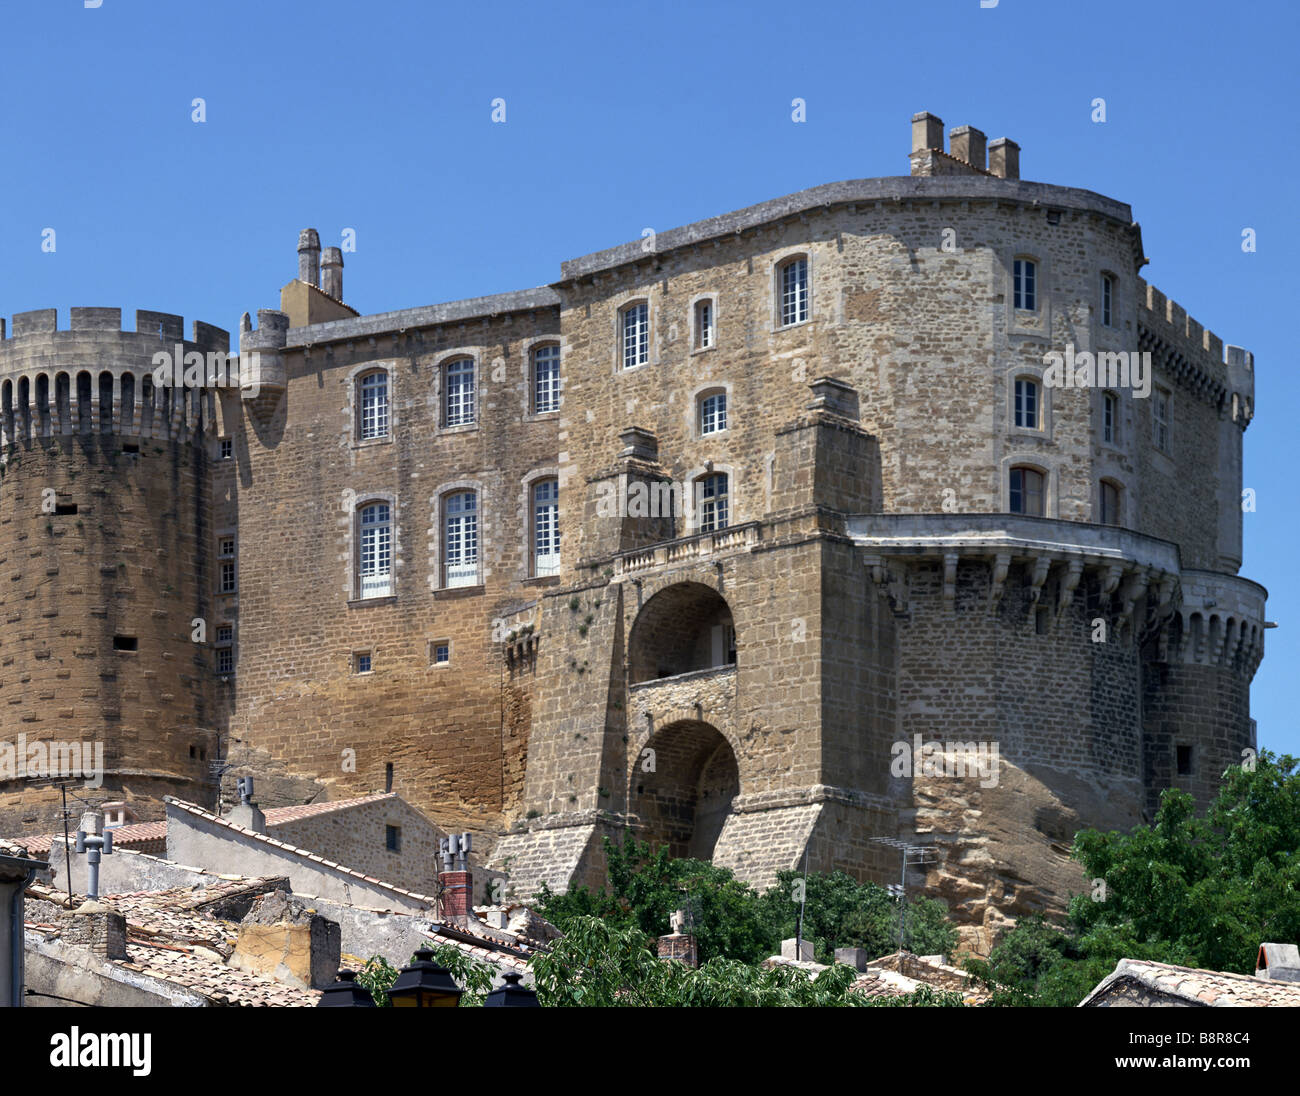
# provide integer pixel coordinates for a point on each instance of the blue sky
(377, 117)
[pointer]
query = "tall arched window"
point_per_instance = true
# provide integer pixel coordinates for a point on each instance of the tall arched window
(792, 291)
(460, 539)
(634, 333)
(1026, 495)
(546, 378)
(458, 401)
(375, 550)
(546, 528)
(372, 405)
(712, 502)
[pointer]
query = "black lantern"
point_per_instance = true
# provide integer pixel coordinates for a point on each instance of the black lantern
(512, 994)
(346, 993)
(424, 984)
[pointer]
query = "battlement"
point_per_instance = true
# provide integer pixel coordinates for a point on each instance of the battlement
(163, 326)
(94, 377)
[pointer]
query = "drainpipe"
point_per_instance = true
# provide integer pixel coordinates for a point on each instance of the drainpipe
(16, 941)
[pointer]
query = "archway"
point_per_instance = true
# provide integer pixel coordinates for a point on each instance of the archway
(683, 628)
(682, 791)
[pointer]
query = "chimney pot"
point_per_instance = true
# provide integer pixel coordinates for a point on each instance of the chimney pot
(927, 131)
(968, 143)
(309, 256)
(1004, 158)
(332, 273)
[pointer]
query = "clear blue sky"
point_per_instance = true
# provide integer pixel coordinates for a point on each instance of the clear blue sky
(619, 117)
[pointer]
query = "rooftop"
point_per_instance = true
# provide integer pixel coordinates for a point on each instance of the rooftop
(1198, 987)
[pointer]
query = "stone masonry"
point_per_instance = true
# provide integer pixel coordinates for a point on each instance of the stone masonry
(906, 538)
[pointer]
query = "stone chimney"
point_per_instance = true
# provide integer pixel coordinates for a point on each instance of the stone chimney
(967, 143)
(309, 256)
(927, 132)
(332, 273)
(246, 813)
(282, 939)
(1004, 158)
(799, 950)
(1278, 963)
(456, 879)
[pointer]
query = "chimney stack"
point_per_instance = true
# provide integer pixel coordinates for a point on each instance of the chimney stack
(927, 132)
(1004, 158)
(457, 882)
(332, 273)
(967, 143)
(309, 257)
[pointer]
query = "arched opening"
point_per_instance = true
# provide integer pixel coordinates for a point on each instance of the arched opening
(63, 402)
(105, 402)
(83, 403)
(682, 792)
(43, 405)
(682, 629)
(128, 403)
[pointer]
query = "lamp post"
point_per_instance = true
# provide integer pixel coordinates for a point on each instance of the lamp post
(512, 994)
(346, 993)
(424, 984)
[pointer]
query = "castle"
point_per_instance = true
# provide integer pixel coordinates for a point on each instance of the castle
(718, 535)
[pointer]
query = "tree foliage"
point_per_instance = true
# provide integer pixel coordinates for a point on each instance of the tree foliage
(1195, 891)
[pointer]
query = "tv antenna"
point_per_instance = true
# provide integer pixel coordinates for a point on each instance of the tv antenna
(913, 856)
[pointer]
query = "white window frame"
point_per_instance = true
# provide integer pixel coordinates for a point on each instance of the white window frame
(373, 418)
(712, 412)
(460, 527)
(376, 541)
(545, 522)
(634, 334)
(705, 324)
(552, 390)
(708, 518)
(793, 304)
(459, 399)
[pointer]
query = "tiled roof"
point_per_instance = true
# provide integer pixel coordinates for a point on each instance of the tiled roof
(124, 837)
(1205, 987)
(307, 854)
(169, 937)
(276, 815)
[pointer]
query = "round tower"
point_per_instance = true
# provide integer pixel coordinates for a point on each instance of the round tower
(108, 561)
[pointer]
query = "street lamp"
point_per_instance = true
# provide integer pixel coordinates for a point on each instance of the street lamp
(424, 984)
(512, 994)
(346, 993)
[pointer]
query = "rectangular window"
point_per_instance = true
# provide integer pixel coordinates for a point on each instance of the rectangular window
(376, 551)
(1107, 298)
(1160, 411)
(712, 498)
(1109, 418)
(713, 413)
(703, 325)
(228, 581)
(1026, 285)
(374, 406)
(546, 379)
(225, 661)
(794, 292)
(636, 335)
(1026, 492)
(441, 653)
(460, 392)
(227, 448)
(393, 838)
(1026, 404)
(546, 528)
(1184, 761)
(225, 634)
(460, 539)
(361, 662)
(126, 643)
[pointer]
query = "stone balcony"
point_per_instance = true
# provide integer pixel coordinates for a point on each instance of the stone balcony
(728, 541)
